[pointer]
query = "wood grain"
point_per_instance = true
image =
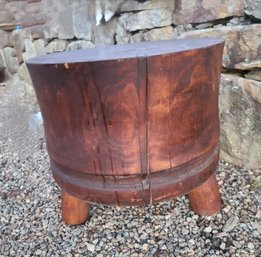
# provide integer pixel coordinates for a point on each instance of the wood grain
(74, 210)
(205, 199)
(132, 124)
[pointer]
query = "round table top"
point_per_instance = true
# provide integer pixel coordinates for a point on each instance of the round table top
(126, 51)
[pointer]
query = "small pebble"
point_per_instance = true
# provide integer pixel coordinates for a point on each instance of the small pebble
(208, 229)
(237, 244)
(145, 247)
(250, 246)
(223, 246)
(231, 223)
(90, 247)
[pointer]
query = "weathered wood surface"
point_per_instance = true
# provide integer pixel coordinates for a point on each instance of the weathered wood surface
(131, 124)
(205, 199)
(74, 210)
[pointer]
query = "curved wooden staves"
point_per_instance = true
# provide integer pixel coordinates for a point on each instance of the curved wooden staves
(131, 124)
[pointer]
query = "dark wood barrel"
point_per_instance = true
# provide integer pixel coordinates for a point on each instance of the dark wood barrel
(131, 124)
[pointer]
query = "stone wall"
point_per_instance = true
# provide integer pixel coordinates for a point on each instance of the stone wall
(47, 26)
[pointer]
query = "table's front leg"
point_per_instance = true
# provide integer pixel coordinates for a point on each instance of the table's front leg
(205, 199)
(74, 210)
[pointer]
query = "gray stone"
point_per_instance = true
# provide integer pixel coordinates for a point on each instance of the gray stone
(254, 74)
(131, 5)
(19, 44)
(237, 244)
(253, 88)
(104, 34)
(145, 247)
(143, 237)
(30, 51)
(234, 22)
(65, 23)
(180, 29)
(38, 252)
(146, 19)
(83, 18)
(90, 247)
(39, 47)
(57, 21)
(240, 109)
(28, 13)
(50, 32)
(253, 8)
(24, 74)
(6, 16)
(231, 223)
(57, 45)
(99, 13)
(208, 229)
(2, 63)
(10, 59)
(105, 10)
(36, 32)
(122, 36)
(222, 246)
(154, 34)
(242, 44)
(80, 44)
(250, 246)
(194, 11)
(6, 39)
(204, 25)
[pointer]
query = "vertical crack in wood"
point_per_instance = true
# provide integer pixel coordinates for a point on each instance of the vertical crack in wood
(117, 198)
(88, 83)
(103, 117)
(83, 86)
(140, 113)
(142, 83)
(169, 115)
(147, 128)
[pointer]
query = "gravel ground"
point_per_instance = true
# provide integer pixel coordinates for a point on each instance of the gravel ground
(30, 221)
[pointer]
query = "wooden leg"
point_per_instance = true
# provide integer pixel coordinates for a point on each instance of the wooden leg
(205, 199)
(74, 210)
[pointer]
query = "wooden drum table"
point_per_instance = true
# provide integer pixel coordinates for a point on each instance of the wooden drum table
(132, 124)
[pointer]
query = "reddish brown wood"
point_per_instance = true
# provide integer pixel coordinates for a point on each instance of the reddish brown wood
(205, 199)
(131, 124)
(74, 210)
